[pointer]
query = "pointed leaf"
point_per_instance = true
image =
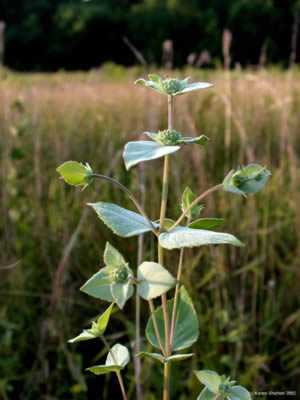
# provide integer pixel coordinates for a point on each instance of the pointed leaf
(186, 200)
(186, 237)
(121, 355)
(179, 357)
(194, 86)
(121, 293)
(154, 356)
(151, 135)
(85, 335)
(186, 330)
(210, 379)
(202, 140)
(104, 369)
(75, 173)
(155, 78)
(136, 152)
(103, 320)
(112, 257)
(149, 84)
(238, 393)
(207, 223)
(122, 222)
(154, 280)
(168, 223)
(99, 285)
(206, 394)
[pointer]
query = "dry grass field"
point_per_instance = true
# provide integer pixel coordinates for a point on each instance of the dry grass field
(247, 299)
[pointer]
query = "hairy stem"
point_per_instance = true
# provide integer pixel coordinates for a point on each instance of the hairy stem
(106, 344)
(166, 380)
(156, 327)
(176, 296)
(211, 190)
(132, 197)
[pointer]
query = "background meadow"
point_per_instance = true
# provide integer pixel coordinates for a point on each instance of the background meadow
(247, 299)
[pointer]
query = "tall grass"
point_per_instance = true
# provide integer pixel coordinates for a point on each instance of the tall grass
(248, 300)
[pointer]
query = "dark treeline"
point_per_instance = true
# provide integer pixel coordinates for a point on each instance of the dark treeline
(53, 34)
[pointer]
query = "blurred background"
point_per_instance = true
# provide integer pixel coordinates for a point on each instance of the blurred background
(67, 93)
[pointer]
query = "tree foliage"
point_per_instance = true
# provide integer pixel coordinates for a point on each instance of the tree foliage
(52, 34)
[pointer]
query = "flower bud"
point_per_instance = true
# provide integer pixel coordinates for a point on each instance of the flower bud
(168, 137)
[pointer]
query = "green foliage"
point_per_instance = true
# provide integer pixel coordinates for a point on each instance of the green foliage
(120, 355)
(187, 198)
(112, 282)
(171, 86)
(186, 330)
(75, 173)
(97, 329)
(250, 179)
(221, 386)
(136, 152)
(207, 223)
(122, 222)
(186, 237)
(154, 280)
(162, 359)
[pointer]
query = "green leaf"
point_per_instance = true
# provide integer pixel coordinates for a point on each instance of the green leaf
(187, 237)
(210, 379)
(162, 359)
(206, 394)
(194, 86)
(154, 280)
(202, 140)
(154, 356)
(207, 223)
(85, 335)
(99, 285)
(121, 292)
(136, 152)
(179, 357)
(168, 223)
(187, 198)
(103, 369)
(149, 84)
(250, 179)
(112, 257)
(151, 135)
(122, 222)
(75, 173)
(121, 355)
(103, 320)
(122, 358)
(186, 330)
(155, 78)
(238, 393)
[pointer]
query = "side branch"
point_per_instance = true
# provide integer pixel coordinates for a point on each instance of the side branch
(213, 189)
(132, 197)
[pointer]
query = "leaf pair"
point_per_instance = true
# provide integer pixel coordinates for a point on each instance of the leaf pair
(171, 86)
(114, 362)
(115, 281)
(220, 385)
(127, 223)
(97, 329)
(136, 152)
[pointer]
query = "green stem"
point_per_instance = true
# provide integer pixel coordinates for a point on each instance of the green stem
(176, 296)
(106, 344)
(132, 197)
(156, 327)
(211, 190)
(166, 380)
